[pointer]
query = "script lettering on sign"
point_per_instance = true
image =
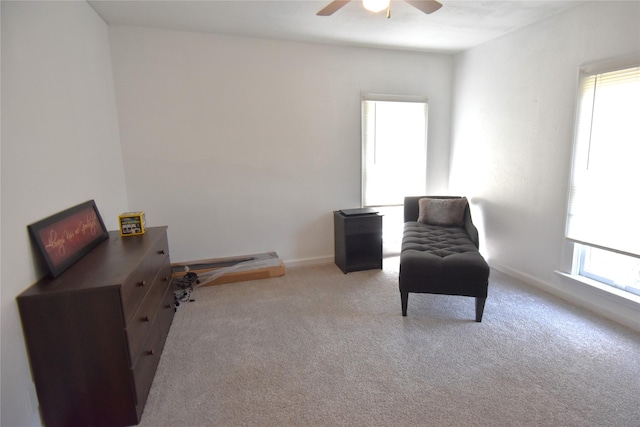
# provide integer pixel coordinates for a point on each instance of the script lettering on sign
(67, 236)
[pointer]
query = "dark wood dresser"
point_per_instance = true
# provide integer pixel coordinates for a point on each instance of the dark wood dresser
(95, 334)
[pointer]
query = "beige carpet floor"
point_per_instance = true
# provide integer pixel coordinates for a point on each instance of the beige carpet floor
(317, 347)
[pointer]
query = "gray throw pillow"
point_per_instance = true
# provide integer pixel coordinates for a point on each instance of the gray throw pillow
(442, 211)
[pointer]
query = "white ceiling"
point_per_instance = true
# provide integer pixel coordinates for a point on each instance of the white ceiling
(457, 26)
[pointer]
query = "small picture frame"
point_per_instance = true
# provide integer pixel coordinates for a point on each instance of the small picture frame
(69, 235)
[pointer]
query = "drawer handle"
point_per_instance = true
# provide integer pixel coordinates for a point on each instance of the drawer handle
(161, 252)
(145, 319)
(150, 353)
(142, 283)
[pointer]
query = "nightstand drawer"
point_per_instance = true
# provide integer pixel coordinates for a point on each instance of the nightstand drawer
(363, 225)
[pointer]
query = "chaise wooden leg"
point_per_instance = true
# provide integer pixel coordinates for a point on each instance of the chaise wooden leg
(480, 308)
(404, 298)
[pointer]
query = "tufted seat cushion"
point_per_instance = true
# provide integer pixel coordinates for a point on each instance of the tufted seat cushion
(438, 253)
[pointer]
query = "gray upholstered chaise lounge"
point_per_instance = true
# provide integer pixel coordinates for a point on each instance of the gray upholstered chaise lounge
(440, 252)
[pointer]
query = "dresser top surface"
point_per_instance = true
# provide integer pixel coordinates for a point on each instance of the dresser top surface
(108, 264)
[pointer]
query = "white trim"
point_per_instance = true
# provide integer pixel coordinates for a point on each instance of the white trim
(615, 294)
(611, 64)
(368, 96)
(610, 303)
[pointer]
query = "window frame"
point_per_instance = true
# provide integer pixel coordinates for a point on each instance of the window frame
(579, 248)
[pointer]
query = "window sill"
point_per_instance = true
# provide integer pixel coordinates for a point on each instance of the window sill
(610, 292)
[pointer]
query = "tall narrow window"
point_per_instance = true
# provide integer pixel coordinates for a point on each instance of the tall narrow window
(604, 202)
(394, 149)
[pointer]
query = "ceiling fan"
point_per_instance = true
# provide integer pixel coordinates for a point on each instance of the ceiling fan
(426, 6)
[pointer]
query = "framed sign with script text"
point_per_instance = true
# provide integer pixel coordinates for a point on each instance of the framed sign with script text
(69, 235)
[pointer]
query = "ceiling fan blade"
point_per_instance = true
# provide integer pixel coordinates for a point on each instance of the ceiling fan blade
(332, 7)
(426, 6)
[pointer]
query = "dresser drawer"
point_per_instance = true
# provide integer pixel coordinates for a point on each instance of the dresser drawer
(149, 356)
(141, 322)
(135, 288)
(159, 254)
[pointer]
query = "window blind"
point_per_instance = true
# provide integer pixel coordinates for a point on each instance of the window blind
(394, 149)
(604, 200)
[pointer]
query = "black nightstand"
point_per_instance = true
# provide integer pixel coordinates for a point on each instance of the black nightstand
(358, 241)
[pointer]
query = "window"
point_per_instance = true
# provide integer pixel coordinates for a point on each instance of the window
(604, 202)
(611, 268)
(394, 149)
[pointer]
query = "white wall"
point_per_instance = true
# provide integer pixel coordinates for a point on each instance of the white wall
(243, 146)
(60, 147)
(512, 135)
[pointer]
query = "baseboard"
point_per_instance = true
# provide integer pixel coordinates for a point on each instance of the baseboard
(607, 304)
(307, 262)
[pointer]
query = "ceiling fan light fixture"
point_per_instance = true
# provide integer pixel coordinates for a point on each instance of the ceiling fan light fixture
(376, 6)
